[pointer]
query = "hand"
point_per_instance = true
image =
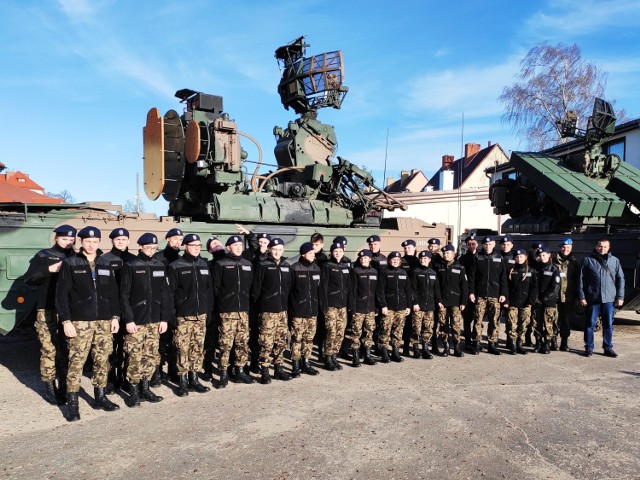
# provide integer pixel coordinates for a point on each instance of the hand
(407, 311)
(131, 327)
(583, 302)
(462, 307)
(53, 268)
(505, 305)
(416, 308)
(472, 298)
(162, 327)
(115, 325)
(619, 303)
(501, 299)
(384, 311)
(441, 306)
(69, 329)
(242, 230)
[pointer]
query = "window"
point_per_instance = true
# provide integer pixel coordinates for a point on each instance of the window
(617, 147)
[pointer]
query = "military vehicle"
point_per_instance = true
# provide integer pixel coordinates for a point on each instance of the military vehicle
(196, 162)
(583, 192)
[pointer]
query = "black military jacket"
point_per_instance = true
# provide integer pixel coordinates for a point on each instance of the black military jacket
(321, 258)
(508, 260)
(426, 288)
(454, 287)
(379, 261)
(232, 278)
(408, 263)
(168, 255)
(548, 283)
(38, 274)
(191, 286)
(488, 277)
(335, 285)
(271, 285)
(145, 296)
(83, 294)
(364, 282)
(522, 281)
(394, 289)
(305, 289)
(116, 259)
(437, 260)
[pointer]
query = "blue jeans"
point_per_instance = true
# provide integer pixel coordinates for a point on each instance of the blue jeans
(593, 311)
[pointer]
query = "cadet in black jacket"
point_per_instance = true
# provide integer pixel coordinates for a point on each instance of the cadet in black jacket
(488, 289)
(192, 293)
(467, 260)
(426, 291)
(521, 279)
(394, 296)
(335, 287)
(409, 259)
(146, 306)
(433, 244)
(232, 279)
(304, 305)
(378, 259)
(89, 309)
(116, 257)
(43, 274)
(217, 251)
(545, 309)
(364, 280)
(270, 292)
(454, 290)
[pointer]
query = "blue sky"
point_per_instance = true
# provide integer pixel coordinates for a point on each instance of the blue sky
(79, 76)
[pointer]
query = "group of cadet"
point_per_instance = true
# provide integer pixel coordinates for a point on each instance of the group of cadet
(136, 313)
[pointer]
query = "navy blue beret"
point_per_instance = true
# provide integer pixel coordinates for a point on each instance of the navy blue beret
(90, 232)
(119, 232)
(173, 232)
(408, 242)
(65, 231)
(373, 238)
(148, 239)
(306, 247)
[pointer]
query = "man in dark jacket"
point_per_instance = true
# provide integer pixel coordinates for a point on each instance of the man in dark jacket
(192, 292)
(521, 280)
(378, 259)
(43, 274)
(468, 260)
(409, 259)
(426, 290)
(232, 279)
(89, 309)
(270, 292)
(454, 292)
(303, 305)
(568, 267)
(545, 311)
(146, 307)
(600, 288)
(488, 289)
(364, 280)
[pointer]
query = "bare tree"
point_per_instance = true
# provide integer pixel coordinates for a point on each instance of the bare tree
(131, 206)
(65, 195)
(552, 80)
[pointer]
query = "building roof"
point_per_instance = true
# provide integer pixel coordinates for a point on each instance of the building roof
(464, 167)
(414, 182)
(18, 187)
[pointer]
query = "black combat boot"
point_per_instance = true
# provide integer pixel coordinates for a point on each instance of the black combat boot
(457, 351)
(195, 385)
(265, 378)
(511, 346)
(416, 350)
(537, 347)
(241, 376)
(208, 371)
(434, 346)
(527, 339)
(493, 348)
(100, 400)
(147, 394)
(328, 363)
(223, 381)
(307, 368)
(156, 378)
(384, 354)
(50, 392)
(355, 358)
(564, 344)
(445, 347)
(519, 348)
(477, 347)
(279, 373)
(426, 354)
(73, 411)
(554, 344)
(183, 386)
(334, 360)
(368, 359)
(544, 347)
(295, 368)
(395, 354)
(133, 400)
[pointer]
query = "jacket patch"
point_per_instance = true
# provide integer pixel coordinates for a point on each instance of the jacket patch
(373, 277)
(158, 273)
(204, 271)
(246, 268)
(103, 271)
(316, 277)
(284, 269)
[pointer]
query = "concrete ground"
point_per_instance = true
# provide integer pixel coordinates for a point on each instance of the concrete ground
(537, 416)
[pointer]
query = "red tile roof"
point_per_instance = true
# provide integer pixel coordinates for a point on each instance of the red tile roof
(18, 187)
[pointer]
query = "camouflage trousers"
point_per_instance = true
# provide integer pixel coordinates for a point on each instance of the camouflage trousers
(94, 335)
(189, 341)
(546, 319)
(518, 319)
(303, 329)
(565, 310)
(491, 307)
(272, 337)
(422, 327)
(391, 328)
(335, 321)
(53, 348)
(142, 349)
(362, 322)
(450, 320)
(233, 333)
